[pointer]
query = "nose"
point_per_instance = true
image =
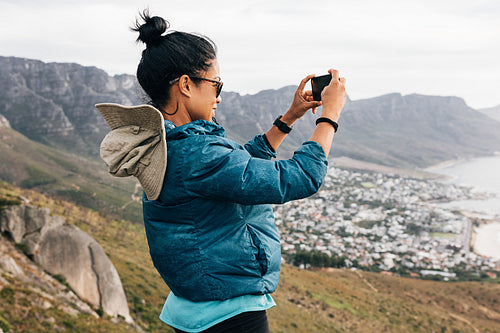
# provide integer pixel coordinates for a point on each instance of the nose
(219, 99)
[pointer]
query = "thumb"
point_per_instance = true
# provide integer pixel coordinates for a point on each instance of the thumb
(312, 104)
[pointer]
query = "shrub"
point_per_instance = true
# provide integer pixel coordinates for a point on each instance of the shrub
(4, 325)
(37, 177)
(4, 202)
(7, 295)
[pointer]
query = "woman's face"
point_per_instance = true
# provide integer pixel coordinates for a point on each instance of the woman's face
(204, 100)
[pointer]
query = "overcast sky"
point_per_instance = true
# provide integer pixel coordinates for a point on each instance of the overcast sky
(432, 47)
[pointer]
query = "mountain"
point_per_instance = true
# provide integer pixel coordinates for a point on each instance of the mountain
(393, 130)
(330, 300)
(493, 112)
(50, 130)
(308, 301)
(53, 103)
(30, 164)
(415, 130)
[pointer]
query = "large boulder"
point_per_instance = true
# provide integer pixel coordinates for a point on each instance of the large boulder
(63, 249)
(15, 266)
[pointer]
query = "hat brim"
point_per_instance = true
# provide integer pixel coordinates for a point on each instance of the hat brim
(145, 116)
(151, 178)
(117, 115)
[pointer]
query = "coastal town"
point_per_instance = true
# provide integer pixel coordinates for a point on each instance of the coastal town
(387, 222)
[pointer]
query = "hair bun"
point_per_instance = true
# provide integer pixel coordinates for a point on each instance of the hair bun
(151, 31)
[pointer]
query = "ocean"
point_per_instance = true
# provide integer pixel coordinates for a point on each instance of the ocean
(482, 175)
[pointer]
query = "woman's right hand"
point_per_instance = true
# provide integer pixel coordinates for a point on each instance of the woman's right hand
(333, 96)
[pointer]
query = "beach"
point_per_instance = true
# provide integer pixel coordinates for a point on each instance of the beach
(482, 175)
(487, 240)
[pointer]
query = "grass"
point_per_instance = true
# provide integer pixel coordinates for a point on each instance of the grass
(69, 177)
(37, 177)
(368, 224)
(443, 235)
(328, 300)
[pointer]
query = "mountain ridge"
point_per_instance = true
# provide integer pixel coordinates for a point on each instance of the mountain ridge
(493, 112)
(411, 131)
(335, 300)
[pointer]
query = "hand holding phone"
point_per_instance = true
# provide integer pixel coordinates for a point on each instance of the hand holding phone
(318, 83)
(333, 96)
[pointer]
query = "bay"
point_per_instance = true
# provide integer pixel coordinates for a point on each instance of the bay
(483, 176)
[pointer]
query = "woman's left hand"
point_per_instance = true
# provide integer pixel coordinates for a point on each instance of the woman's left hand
(302, 101)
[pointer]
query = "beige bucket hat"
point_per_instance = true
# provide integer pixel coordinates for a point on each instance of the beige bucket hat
(136, 145)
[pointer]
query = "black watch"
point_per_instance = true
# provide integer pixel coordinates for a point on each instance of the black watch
(282, 126)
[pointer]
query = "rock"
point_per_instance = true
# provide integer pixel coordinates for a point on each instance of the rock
(70, 252)
(8, 264)
(61, 97)
(63, 249)
(16, 266)
(113, 299)
(27, 223)
(4, 122)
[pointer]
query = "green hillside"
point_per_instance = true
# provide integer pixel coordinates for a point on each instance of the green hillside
(77, 179)
(308, 301)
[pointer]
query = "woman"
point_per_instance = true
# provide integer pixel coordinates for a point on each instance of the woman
(209, 222)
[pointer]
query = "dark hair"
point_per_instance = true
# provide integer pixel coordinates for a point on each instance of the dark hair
(169, 56)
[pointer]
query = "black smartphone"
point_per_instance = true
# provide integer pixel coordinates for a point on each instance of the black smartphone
(318, 83)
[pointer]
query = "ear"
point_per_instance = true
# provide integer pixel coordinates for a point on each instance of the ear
(185, 85)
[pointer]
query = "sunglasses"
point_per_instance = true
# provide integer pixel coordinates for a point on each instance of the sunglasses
(219, 84)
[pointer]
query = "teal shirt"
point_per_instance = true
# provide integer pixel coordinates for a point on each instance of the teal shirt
(190, 316)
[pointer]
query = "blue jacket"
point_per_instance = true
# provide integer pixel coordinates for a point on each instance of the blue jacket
(211, 233)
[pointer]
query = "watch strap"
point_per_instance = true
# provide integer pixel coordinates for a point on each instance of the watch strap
(282, 126)
(328, 120)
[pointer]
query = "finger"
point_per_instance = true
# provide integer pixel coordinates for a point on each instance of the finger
(313, 104)
(308, 97)
(335, 75)
(302, 84)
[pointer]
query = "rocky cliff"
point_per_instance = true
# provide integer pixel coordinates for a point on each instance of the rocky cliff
(54, 104)
(64, 250)
(415, 130)
(393, 130)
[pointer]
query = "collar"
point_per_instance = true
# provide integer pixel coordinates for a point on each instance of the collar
(197, 127)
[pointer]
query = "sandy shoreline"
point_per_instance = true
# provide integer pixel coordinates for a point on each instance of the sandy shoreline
(487, 239)
(455, 161)
(445, 164)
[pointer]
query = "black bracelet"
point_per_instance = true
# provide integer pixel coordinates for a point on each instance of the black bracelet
(282, 126)
(328, 120)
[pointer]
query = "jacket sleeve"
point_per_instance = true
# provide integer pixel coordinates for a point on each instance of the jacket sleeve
(257, 147)
(221, 171)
